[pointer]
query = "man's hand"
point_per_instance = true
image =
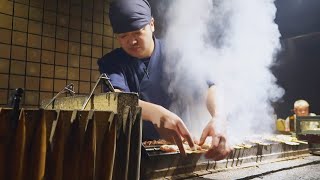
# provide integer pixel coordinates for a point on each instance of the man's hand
(169, 125)
(219, 149)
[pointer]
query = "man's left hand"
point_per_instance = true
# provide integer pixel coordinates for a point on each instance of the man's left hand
(220, 148)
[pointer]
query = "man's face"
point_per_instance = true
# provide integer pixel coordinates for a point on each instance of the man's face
(138, 43)
(301, 111)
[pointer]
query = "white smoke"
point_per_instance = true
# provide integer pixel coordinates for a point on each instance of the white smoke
(233, 43)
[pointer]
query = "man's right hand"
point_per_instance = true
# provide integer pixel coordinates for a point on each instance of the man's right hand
(169, 125)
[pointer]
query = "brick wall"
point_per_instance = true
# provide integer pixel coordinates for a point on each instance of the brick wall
(47, 44)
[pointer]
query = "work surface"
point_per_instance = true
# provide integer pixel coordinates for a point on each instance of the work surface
(302, 167)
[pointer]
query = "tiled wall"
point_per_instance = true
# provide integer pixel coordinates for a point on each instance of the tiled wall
(47, 44)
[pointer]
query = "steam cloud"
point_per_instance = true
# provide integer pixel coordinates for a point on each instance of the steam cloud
(233, 43)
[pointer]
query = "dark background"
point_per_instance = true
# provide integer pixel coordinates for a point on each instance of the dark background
(297, 66)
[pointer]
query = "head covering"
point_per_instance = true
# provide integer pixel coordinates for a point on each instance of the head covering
(129, 15)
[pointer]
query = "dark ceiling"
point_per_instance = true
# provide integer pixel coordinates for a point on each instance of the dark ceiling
(297, 17)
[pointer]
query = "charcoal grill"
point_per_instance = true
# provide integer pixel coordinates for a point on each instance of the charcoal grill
(156, 164)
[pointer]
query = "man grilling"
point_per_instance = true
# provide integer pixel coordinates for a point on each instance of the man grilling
(138, 67)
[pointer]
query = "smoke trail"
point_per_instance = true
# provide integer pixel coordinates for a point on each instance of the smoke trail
(232, 43)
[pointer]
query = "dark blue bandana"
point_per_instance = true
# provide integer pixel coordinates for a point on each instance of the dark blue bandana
(129, 15)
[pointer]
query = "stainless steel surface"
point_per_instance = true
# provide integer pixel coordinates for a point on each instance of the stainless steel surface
(173, 165)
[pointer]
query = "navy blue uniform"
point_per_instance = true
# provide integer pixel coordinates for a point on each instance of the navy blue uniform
(143, 76)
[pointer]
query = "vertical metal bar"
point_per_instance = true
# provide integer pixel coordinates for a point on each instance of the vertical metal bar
(123, 146)
(18, 149)
(135, 147)
(59, 143)
(89, 150)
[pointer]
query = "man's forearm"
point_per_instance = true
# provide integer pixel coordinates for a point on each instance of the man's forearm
(211, 101)
(150, 111)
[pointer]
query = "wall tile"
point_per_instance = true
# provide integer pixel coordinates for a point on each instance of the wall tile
(63, 6)
(33, 69)
(4, 65)
(107, 42)
(45, 96)
(48, 43)
(5, 36)
(35, 13)
(98, 17)
(31, 98)
(50, 17)
(75, 10)
(94, 75)
(85, 50)
(63, 20)
(18, 67)
(26, 2)
(74, 35)
(73, 61)
(84, 87)
(5, 21)
(6, 7)
(60, 72)
(20, 24)
(75, 22)
(4, 97)
(50, 5)
(106, 20)
(53, 44)
(59, 85)
(46, 84)
(97, 39)
(20, 10)
(4, 79)
(18, 52)
(61, 46)
(47, 70)
(87, 26)
(34, 41)
(74, 48)
(97, 28)
(5, 51)
(85, 62)
(73, 73)
(94, 64)
(16, 81)
(33, 55)
(107, 31)
(88, 12)
(34, 27)
(86, 38)
(106, 50)
(37, 3)
(85, 75)
(47, 57)
(62, 33)
(19, 38)
(61, 59)
(96, 51)
(49, 30)
(32, 83)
